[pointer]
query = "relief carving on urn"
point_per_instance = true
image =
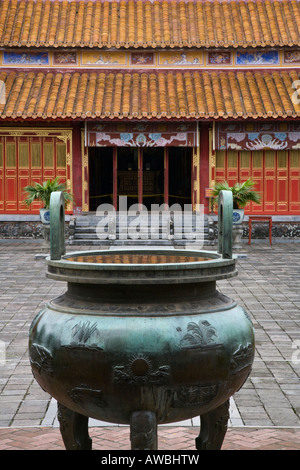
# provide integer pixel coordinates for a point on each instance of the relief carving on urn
(200, 335)
(139, 370)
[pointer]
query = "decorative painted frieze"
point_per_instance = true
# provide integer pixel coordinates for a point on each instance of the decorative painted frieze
(142, 58)
(25, 58)
(141, 134)
(180, 58)
(261, 57)
(102, 58)
(219, 58)
(257, 136)
(291, 57)
(65, 58)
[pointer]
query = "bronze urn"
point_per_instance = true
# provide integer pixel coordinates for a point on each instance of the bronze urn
(141, 337)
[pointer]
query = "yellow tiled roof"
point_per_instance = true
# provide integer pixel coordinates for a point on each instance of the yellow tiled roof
(144, 23)
(149, 95)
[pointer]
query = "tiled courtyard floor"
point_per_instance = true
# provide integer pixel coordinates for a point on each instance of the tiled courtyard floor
(267, 407)
(169, 438)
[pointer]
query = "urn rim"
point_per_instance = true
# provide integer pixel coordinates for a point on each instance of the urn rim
(213, 268)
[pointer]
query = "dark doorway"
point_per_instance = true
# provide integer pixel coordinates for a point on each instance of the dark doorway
(127, 174)
(148, 176)
(100, 176)
(153, 176)
(180, 170)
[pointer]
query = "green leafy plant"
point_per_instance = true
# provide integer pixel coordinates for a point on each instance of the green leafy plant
(242, 193)
(42, 192)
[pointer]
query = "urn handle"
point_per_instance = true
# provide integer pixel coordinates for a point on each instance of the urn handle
(225, 209)
(57, 225)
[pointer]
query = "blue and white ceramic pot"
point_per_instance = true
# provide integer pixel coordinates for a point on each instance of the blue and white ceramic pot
(45, 216)
(238, 216)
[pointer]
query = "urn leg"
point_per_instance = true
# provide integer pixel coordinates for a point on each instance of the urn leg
(74, 429)
(143, 430)
(213, 428)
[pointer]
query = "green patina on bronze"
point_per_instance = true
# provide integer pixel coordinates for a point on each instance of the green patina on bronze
(57, 225)
(225, 208)
(142, 337)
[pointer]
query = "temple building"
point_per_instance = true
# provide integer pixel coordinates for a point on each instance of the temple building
(155, 100)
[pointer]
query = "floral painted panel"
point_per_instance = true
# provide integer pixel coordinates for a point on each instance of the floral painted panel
(219, 58)
(291, 57)
(142, 58)
(64, 58)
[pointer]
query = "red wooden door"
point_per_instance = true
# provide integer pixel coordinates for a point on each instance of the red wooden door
(294, 186)
(276, 175)
(282, 182)
(2, 175)
(25, 160)
(257, 175)
(11, 175)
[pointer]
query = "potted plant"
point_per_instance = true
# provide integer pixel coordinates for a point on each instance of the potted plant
(42, 192)
(242, 194)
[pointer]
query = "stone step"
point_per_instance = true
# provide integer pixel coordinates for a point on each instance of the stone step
(157, 230)
(94, 238)
(94, 225)
(128, 242)
(84, 231)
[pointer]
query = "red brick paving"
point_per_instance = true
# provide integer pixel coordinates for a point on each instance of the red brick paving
(179, 438)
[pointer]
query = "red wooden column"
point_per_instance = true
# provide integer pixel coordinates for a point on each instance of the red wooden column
(204, 164)
(77, 163)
